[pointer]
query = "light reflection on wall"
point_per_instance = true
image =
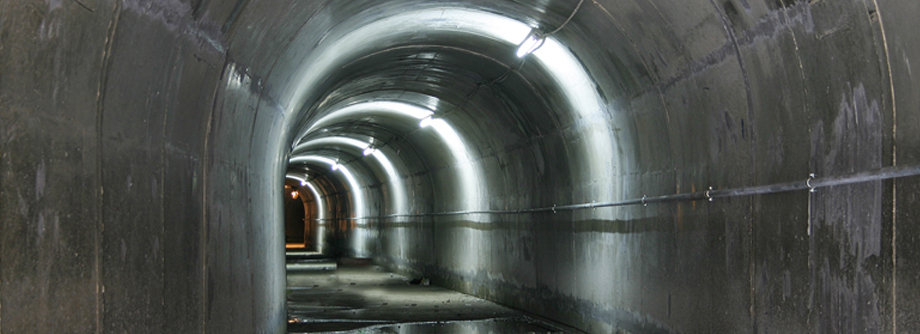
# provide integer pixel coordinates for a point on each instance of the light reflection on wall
(363, 109)
(319, 223)
(357, 192)
(395, 182)
(320, 217)
(469, 176)
(580, 91)
(359, 237)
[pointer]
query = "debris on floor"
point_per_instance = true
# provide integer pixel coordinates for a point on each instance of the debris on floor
(357, 297)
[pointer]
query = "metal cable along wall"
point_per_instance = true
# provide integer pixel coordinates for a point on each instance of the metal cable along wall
(812, 183)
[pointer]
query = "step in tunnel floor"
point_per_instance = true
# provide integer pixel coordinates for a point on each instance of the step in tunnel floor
(324, 296)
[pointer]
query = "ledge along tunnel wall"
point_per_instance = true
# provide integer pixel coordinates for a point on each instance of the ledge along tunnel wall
(143, 146)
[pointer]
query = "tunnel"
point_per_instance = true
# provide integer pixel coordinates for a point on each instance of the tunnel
(634, 166)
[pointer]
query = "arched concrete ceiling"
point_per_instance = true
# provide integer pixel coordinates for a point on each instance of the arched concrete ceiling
(456, 62)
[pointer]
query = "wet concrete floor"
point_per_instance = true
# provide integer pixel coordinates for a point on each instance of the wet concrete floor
(329, 296)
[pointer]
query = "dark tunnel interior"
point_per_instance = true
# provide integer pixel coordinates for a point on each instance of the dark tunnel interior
(634, 166)
(296, 209)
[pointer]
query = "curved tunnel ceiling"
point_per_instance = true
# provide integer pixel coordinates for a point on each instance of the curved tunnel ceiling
(617, 100)
(453, 84)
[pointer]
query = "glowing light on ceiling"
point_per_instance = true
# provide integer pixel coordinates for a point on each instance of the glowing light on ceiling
(531, 43)
(349, 177)
(469, 172)
(394, 180)
(368, 151)
(365, 109)
(295, 178)
(425, 122)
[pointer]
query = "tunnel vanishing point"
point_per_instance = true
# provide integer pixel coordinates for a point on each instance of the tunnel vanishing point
(640, 166)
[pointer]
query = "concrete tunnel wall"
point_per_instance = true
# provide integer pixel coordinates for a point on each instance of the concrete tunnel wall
(144, 144)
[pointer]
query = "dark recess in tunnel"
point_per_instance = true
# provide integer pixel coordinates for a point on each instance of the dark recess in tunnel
(652, 166)
(295, 215)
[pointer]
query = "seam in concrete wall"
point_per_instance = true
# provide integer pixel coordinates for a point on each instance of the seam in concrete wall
(100, 105)
(894, 162)
(205, 181)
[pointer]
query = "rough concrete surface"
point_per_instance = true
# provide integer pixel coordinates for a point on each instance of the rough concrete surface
(364, 298)
(144, 146)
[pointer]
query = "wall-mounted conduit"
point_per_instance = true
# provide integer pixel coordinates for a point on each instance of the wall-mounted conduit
(811, 184)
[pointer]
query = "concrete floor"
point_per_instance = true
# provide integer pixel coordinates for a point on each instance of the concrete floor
(354, 297)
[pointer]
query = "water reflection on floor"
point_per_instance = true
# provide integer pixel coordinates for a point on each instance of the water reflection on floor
(324, 296)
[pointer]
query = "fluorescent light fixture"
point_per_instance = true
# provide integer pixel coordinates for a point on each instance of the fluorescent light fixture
(369, 150)
(426, 122)
(531, 43)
